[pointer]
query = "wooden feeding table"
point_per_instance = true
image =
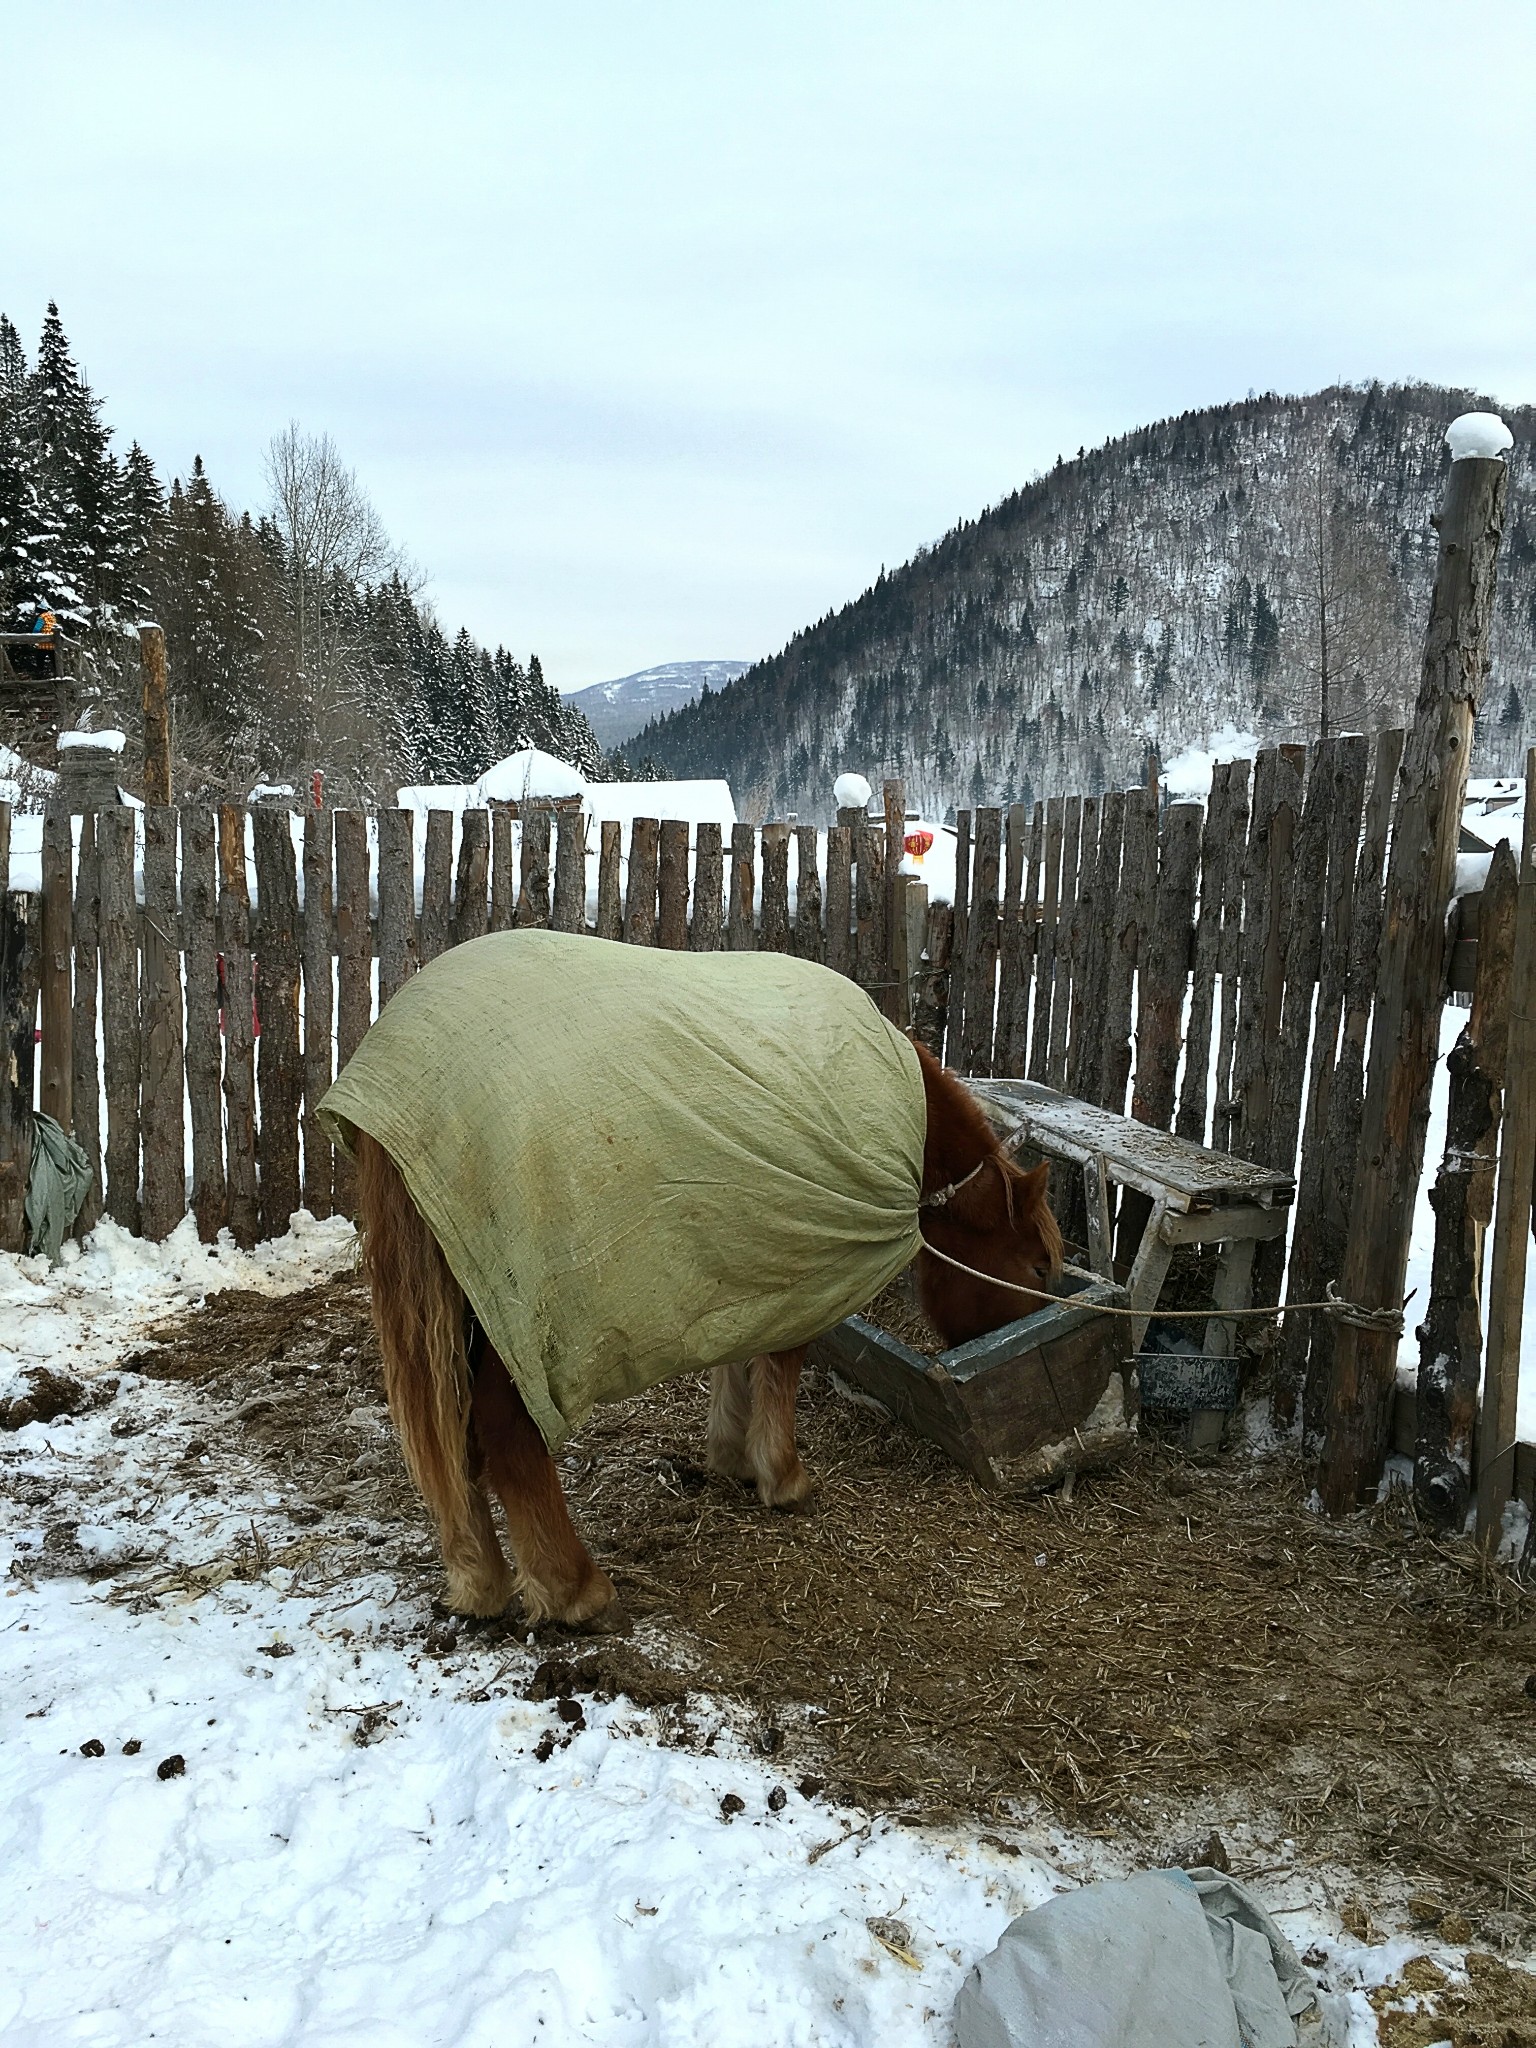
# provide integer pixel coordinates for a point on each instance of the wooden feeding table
(1019, 1408)
(1197, 1196)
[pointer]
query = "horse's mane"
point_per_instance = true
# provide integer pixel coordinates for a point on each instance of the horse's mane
(959, 1135)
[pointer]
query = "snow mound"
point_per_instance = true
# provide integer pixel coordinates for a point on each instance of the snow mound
(109, 740)
(850, 793)
(530, 772)
(1478, 433)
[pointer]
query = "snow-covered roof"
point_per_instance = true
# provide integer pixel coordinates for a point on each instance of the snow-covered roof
(701, 803)
(530, 772)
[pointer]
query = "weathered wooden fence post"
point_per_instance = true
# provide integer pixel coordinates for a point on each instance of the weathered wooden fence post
(120, 1012)
(156, 706)
(163, 1078)
(85, 1092)
(279, 1076)
(1405, 1037)
(56, 1092)
(1451, 1335)
(1512, 1217)
(239, 1024)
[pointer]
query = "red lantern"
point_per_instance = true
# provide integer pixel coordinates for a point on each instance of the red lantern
(317, 788)
(917, 843)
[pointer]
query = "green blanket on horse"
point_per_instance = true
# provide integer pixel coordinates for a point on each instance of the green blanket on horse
(638, 1162)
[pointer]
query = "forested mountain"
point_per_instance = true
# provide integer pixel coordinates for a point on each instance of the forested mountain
(1265, 564)
(296, 639)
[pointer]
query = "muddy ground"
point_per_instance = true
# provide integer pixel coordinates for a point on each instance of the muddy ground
(1180, 1647)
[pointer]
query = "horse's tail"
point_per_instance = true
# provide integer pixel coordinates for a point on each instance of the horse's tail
(418, 1311)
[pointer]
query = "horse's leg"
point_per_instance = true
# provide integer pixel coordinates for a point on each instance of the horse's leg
(782, 1480)
(555, 1573)
(478, 1579)
(730, 1413)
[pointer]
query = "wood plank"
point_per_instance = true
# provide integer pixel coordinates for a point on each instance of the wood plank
(1265, 944)
(278, 1071)
(1166, 971)
(205, 1052)
(435, 933)
(1091, 1082)
(672, 916)
(1191, 1120)
(570, 905)
(1045, 948)
(1347, 1090)
(775, 932)
(743, 888)
(871, 950)
(708, 889)
(810, 940)
(1451, 1334)
(85, 1090)
(982, 943)
(911, 914)
(1065, 965)
(1087, 1023)
(1229, 955)
(397, 901)
(503, 871)
(960, 941)
(1512, 1215)
(610, 900)
(1307, 868)
(1129, 923)
(932, 990)
(56, 992)
(840, 899)
(1405, 1038)
(121, 1048)
(1010, 1040)
(1305, 1278)
(21, 921)
(641, 883)
(163, 1060)
(354, 969)
(155, 719)
(471, 915)
(533, 882)
(894, 796)
(318, 957)
(239, 1023)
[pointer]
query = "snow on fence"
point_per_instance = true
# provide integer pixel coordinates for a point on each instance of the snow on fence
(1209, 968)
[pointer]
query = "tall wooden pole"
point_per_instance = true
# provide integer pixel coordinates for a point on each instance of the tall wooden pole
(1517, 1149)
(157, 716)
(1405, 1040)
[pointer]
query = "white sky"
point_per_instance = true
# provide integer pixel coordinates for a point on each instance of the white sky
(654, 330)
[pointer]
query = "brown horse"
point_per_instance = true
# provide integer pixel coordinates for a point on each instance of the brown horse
(466, 1432)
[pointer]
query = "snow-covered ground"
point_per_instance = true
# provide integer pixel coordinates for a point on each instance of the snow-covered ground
(249, 1811)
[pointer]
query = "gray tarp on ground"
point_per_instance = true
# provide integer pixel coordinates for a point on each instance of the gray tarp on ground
(641, 1162)
(57, 1180)
(1168, 1959)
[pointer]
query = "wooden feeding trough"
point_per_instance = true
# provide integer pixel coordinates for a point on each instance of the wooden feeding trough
(1051, 1394)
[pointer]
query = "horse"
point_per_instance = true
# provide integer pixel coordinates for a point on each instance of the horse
(466, 1431)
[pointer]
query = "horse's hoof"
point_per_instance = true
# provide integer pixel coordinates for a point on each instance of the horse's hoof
(792, 1491)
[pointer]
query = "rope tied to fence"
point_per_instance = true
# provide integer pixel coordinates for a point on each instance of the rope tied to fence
(1389, 1319)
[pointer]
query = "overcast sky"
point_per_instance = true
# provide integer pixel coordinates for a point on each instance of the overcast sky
(655, 329)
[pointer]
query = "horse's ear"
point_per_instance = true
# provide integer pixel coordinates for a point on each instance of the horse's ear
(1037, 1185)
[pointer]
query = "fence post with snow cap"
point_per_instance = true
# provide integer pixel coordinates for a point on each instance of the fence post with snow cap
(1405, 1038)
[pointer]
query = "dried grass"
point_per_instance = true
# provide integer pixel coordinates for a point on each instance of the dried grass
(1180, 1644)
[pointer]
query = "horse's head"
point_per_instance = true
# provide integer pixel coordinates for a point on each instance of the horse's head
(992, 1214)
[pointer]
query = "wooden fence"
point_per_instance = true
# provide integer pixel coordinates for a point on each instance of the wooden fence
(1211, 968)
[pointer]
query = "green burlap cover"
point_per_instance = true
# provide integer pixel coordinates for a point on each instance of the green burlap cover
(640, 1162)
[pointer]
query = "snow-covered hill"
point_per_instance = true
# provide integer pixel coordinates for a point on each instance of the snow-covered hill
(617, 710)
(1209, 571)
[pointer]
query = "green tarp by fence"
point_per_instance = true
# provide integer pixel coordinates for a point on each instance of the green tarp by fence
(641, 1162)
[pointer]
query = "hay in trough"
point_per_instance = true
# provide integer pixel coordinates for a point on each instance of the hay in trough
(1180, 1645)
